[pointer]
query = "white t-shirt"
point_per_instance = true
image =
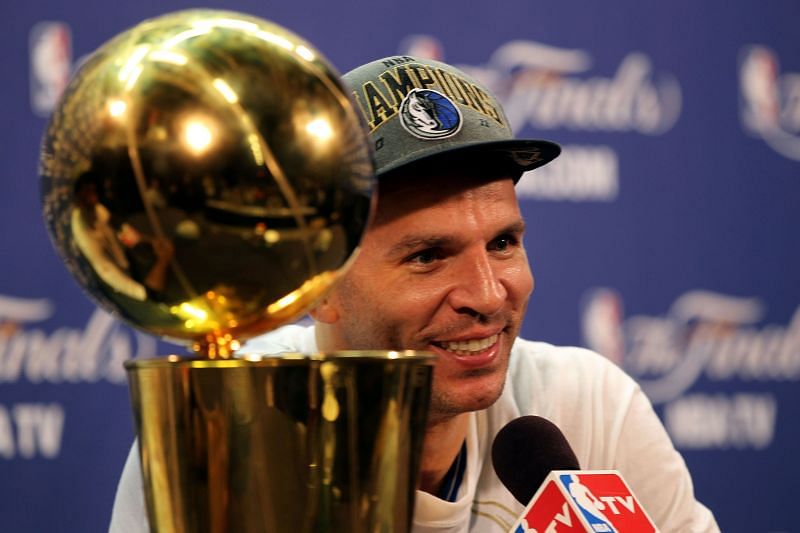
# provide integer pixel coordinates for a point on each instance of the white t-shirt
(606, 418)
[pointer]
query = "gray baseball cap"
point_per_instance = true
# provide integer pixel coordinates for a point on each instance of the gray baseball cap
(419, 108)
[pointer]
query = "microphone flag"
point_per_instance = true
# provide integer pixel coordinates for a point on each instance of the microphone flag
(581, 501)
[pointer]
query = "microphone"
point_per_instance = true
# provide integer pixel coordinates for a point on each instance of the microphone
(526, 450)
(533, 459)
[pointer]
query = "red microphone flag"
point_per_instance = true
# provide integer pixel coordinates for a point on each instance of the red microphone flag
(577, 501)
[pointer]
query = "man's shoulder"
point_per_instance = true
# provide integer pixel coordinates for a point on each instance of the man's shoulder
(545, 356)
(291, 338)
(541, 374)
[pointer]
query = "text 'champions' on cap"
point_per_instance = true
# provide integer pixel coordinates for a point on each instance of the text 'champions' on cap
(420, 108)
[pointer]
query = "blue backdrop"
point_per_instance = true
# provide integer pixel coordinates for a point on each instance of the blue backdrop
(665, 237)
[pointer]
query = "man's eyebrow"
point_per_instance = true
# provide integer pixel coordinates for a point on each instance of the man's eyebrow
(516, 228)
(413, 242)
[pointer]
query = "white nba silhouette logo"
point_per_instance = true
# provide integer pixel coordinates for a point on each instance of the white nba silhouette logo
(770, 108)
(590, 504)
(50, 63)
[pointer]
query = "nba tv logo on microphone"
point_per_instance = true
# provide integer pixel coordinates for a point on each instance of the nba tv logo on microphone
(574, 501)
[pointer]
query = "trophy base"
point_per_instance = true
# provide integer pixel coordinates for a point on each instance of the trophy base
(288, 443)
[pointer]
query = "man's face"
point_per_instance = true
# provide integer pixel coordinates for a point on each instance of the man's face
(442, 268)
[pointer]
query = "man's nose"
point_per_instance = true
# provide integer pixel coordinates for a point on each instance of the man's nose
(478, 288)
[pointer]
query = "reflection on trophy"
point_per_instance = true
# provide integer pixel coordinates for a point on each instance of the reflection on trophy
(206, 178)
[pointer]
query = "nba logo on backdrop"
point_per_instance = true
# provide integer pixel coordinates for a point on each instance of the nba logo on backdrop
(770, 101)
(50, 64)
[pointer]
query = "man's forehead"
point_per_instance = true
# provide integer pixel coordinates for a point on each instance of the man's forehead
(448, 174)
(404, 198)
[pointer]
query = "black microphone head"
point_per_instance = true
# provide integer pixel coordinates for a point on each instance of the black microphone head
(526, 450)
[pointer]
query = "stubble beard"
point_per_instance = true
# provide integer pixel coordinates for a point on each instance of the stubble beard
(444, 407)
(380, 334)
(447, 403)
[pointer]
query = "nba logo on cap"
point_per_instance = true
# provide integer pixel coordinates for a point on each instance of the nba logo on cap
(50, 64)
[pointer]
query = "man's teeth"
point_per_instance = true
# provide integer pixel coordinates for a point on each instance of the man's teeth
(469, 347)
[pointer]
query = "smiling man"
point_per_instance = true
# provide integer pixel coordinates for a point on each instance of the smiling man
(442, 268)
(453, 277)
(445, 255)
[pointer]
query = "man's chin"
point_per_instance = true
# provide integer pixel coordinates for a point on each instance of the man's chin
(445, 407)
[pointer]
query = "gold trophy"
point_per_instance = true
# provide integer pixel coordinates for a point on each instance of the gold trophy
(207, 178)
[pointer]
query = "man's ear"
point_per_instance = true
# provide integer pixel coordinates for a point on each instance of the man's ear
(326, 311)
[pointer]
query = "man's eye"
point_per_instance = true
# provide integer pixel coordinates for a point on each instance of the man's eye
(503, 243)
(425, 257)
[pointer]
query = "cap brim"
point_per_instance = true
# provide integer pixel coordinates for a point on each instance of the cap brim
(521, 154)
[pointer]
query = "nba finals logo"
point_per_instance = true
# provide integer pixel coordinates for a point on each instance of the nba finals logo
(50, 64)
(708, 362)
(770, 101)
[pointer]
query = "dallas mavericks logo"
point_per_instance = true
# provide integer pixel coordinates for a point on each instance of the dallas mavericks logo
(429, 114)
